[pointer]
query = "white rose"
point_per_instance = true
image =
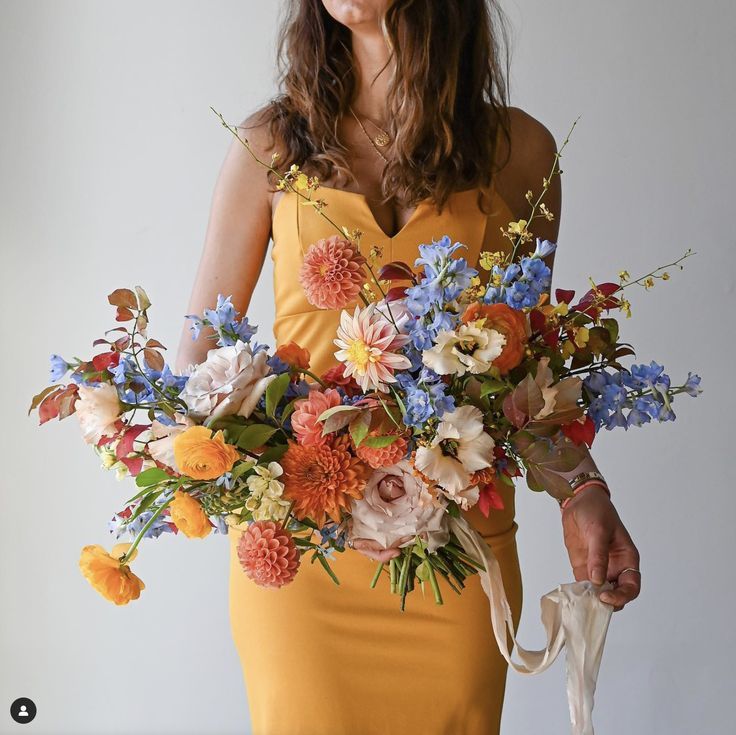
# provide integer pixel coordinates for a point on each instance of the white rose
(396, 506)
(230, 381)
(98, 409)
(469, 349)
(460, 447)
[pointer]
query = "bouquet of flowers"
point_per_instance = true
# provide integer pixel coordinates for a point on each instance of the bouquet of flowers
(449, 382)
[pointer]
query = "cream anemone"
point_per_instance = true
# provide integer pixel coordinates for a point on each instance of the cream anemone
(470, 348)
(459, 448)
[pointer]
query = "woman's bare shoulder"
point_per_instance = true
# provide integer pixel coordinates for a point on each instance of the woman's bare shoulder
(526, 159)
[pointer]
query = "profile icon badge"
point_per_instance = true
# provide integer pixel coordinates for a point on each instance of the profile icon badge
(23, 710)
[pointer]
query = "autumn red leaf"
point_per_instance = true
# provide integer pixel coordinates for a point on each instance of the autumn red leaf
(580, 431)
(489, 499)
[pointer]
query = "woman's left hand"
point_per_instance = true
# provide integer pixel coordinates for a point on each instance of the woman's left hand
(599, 546)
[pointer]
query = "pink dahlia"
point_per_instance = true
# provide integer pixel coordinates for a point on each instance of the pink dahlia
(268, 554)
(307, 410)
(368, 343)
(332, 273)
(378, 457)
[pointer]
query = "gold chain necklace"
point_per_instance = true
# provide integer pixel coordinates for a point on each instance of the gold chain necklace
(382, 139)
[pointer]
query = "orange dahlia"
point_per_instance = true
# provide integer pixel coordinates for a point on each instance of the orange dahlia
(268, 554)
(322, 479)
(512, 323)
(378, 457)
(333, 272)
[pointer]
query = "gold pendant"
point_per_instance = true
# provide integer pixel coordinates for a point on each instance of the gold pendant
(382, 139)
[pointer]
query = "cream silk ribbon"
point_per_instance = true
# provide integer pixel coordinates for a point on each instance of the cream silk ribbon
(572, 615)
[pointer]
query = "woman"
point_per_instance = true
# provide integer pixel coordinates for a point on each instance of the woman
(404, 98)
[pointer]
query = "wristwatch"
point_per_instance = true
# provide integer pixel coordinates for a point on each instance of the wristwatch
(591, 477)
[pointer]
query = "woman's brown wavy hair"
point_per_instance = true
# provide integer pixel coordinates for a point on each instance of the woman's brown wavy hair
(446, 102)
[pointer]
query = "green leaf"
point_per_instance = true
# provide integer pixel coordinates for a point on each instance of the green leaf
(422, 571)
(539, 479)
(151, 476)
(288, 409)
(337, 418)
(145, 504)
(491, 386)
(326, 566)
(273, 454)
(255, 436)
(275, 392)
(376, 442)
(359, 427)
(241, 468)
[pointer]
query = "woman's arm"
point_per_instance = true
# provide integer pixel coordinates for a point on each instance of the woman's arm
(237, 237)
(598, 544)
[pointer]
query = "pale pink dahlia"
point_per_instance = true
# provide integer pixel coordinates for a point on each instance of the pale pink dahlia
(306, 412)
(332, 273)
(378, 457)
(368, 343)
(268, 554)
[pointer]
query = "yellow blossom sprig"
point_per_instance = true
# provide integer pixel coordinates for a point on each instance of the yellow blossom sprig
(646, 281)
(297, 181)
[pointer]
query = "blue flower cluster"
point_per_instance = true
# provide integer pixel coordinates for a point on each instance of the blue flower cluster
(119, 525)
(424, 397)
(224, 320)
(444, 279)
(521, 284)
(136, 387)
(643, 391)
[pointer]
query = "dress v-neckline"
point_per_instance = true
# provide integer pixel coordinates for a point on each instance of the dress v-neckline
(372, 217)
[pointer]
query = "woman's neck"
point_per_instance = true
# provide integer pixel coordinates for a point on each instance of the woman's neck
(370, 58)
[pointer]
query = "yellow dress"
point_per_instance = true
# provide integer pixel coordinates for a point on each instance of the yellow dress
(322, 659)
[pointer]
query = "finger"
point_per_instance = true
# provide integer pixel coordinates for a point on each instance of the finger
(620, 595)
(373, 550)
(597, 556)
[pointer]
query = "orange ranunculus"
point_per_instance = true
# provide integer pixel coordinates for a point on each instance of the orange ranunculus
(512, 323)
(294, 355)
(113, 580)
(202, 455)
(188, 516)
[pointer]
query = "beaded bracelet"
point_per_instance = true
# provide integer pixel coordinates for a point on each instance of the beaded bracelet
(582, 486)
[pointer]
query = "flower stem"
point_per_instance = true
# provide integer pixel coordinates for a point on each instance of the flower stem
(126, 557)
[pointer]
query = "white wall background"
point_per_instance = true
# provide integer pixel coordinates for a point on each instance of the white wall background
(108, 156)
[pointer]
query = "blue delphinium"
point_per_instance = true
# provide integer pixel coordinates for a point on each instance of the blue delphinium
(424, 397)
(519, 285)
(445, 277)
(643, 391)
(224, 320)
(59, 368)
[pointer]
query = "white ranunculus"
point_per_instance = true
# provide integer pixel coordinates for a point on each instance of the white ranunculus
(459, 447)
(97, 409)
(395, 506)
(161, 447)
(468, 348)
(230, 381)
